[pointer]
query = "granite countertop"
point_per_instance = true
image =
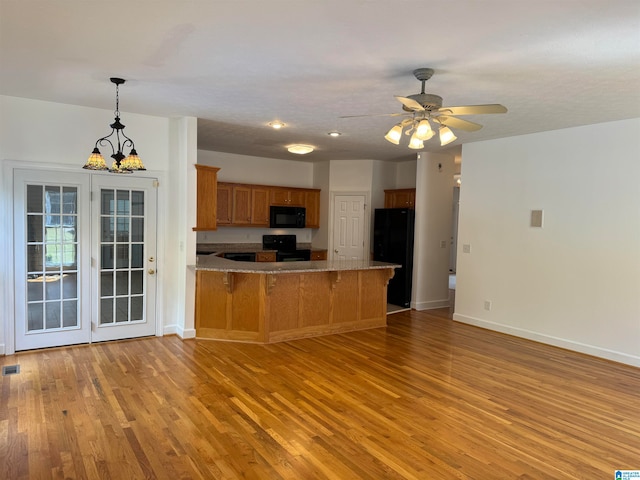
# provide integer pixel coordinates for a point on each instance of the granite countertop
(214, 263)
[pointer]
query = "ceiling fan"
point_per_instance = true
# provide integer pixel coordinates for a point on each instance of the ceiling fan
(423, 109)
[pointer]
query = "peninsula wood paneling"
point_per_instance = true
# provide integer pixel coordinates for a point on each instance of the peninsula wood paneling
(345, 298)
(283, 303)
(275, 307)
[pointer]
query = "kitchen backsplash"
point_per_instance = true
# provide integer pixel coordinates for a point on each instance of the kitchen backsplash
(250, 235)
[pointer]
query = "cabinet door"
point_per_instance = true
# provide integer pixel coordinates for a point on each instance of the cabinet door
(319, 255)
(312, 205)
(206, 185)
(279, 196)
(260, 206)
(401, 198)
(265, 256)
(241, 205)
(296, 198)
(225, 203)
(287, 197)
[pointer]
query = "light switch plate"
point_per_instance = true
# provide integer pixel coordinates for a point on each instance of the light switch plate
(466, 248)
(536, 218)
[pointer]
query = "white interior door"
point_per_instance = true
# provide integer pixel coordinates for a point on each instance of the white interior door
(124, 257)
(51, 259)
(349, 227)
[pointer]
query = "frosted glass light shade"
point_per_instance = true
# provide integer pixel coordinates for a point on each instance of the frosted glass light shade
(415, 142)
(446, 136)
(424, 130)
(394, 134)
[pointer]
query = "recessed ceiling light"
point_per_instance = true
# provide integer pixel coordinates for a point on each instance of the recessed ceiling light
(276, 124)
(300, 149)
(334, 133)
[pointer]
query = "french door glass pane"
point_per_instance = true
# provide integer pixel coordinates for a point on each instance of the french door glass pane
(52, 258)
(122, 260)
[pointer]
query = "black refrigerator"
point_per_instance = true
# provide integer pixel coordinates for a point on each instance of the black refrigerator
(393, 243)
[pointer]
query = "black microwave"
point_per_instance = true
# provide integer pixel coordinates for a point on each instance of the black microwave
(287, 217)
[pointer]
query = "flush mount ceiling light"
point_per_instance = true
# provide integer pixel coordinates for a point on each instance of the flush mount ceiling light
(276, 125)
(121, 164)
(334, 133)
(300, 149)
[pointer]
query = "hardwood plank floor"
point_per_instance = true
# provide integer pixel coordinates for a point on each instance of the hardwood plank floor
(424, 398)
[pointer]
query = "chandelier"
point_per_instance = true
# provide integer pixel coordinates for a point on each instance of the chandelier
(420, 130)
(121, 163)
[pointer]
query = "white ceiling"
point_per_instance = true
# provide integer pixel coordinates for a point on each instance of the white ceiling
(239, 64)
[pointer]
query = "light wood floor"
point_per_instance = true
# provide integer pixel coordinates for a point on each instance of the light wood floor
(424, 398)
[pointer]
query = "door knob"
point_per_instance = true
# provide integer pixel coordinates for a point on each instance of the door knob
(336, 250)
(151, 271)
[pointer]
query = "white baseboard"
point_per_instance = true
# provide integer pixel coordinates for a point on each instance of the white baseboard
(170, 329)
(2, 350)
(185, 333)
(550, 340)
(430, 305)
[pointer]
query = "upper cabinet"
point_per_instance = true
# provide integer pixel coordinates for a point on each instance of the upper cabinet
(400, 198)
(240, 204)
(312, 205)
(248, 205)
(290, 197)
(207, 198)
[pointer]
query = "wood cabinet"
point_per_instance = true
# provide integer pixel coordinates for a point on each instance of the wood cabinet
(290, 197)
(260, 197)
(312, 205)
(400, 198)
(265, 256)
(206, 202)
(243, 205)
(248, 205)
(318, 255)
(225, 203)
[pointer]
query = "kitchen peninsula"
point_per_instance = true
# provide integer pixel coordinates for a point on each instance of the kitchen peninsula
(272, 302)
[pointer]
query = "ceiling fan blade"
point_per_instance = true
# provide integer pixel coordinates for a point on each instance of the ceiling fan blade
(410, 103)
(376, 115)
(458, 123)
(474, 109)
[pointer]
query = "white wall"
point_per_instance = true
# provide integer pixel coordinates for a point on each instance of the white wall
(575, 282)
(56, 136)
(434, 196)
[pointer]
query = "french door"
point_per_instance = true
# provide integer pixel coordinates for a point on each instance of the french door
(124, 229)
(67, 247)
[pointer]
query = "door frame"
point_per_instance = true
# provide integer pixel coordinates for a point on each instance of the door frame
(368, 212)
(7, 269)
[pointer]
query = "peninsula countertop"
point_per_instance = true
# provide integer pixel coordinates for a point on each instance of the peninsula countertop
(214, 263)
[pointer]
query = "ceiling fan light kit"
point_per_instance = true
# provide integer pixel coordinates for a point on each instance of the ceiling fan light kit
(424, 108)
(121, 163)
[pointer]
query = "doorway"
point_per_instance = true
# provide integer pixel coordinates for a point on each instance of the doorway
(84, 258)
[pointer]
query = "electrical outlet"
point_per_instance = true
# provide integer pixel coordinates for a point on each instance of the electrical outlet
(487, 305)
(443, 244)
